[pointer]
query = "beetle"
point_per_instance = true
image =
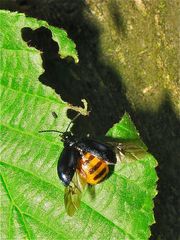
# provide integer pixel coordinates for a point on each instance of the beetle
(86, 161)
(89, 156)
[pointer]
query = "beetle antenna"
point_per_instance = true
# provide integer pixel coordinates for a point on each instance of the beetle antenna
(50, 131)
(42, 131)
(72, 121)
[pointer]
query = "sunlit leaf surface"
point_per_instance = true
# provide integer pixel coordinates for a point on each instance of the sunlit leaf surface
(32, 205)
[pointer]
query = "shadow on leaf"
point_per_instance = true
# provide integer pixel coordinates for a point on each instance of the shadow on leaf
(102, 87)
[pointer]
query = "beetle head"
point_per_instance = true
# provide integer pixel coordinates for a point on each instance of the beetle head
(68, 138)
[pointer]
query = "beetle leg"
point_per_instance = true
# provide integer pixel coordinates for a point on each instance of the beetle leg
(110, 163)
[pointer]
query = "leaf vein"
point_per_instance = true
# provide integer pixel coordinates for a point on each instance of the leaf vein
(15, 205)
(111, 222)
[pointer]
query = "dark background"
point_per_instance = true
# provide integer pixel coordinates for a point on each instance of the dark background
(102, 86)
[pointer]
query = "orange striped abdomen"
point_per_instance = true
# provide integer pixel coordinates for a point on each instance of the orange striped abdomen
(92, 169)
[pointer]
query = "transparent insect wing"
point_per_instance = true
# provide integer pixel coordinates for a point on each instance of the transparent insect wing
(129, 151)
(73, 193)
(134, 151)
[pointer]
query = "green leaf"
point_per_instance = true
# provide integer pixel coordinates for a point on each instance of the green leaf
(32, 197)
